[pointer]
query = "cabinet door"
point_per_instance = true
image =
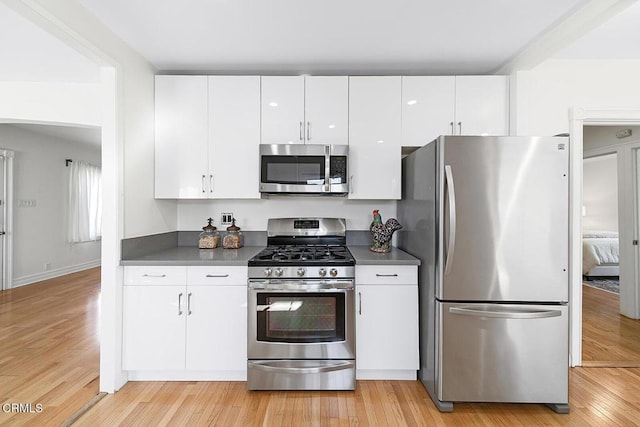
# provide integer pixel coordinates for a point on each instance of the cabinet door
(154, 327)
(327, 110)
(234, 136)
(217, 328)
(181, 137)
(482, 105)
(282, 106)
(427, 108)
(387, 327)
(374, 137)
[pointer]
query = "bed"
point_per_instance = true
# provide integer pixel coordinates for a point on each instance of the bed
(600, 254)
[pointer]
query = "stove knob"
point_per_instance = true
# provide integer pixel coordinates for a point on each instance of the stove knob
(301, 272)
(322, 272)
(278, 272)
(333, 272)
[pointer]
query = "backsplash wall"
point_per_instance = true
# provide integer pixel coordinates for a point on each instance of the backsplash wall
(253, 214)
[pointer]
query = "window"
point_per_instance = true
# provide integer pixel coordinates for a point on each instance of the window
(85, 202)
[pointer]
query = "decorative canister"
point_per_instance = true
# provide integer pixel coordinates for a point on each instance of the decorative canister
(209, 238)
(233, 239)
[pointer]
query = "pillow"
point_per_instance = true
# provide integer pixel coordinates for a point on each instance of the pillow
(599, 234)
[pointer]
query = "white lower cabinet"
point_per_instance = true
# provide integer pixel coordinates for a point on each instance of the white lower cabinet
(185, 323)
(386, 322)
(217, 328)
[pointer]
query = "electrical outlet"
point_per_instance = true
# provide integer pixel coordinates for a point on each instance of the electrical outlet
(226, 218)
(47, 266)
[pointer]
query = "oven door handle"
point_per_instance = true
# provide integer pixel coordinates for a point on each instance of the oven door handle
(270, 367)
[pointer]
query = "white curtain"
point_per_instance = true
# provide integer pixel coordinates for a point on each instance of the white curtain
(85, 202)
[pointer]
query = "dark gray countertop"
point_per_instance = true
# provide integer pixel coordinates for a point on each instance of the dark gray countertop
(364, 256)
(191, 255)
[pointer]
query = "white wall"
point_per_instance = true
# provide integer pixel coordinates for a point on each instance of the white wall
(253, 214)
(545, 94)
(600, 193)
(142, 213)
(39, 232)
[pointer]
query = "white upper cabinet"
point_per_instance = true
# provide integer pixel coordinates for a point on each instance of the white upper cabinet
(374, 137)
(428, 108)
(282, 110)
(453, 105)
(181, 140)
(482, 105)
(299, 109)
(234, 136)
(327, 109)
(206, 128)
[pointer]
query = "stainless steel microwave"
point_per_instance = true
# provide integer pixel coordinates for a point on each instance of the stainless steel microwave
(304, 169)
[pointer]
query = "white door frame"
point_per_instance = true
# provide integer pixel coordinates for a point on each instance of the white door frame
(7, 241)
(578, 118)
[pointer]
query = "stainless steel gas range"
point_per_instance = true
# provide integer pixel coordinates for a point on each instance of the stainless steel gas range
(301, 308)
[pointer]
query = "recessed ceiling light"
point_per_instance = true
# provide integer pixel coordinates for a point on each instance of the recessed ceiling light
(413, 101)
(380, 141)
(332, 126)
(273, 104)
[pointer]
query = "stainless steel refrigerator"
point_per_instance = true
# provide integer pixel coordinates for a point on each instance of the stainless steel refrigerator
(488, 218)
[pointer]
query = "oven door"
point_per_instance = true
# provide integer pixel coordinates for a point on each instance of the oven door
(301, 319)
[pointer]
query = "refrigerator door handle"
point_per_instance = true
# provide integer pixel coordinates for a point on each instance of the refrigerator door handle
(452, 218)
(505, 314)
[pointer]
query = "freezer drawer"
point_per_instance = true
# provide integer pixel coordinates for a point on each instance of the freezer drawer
(503, 353)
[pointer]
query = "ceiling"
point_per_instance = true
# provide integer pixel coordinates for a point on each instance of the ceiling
(314, 37)
(83, 135)
(332, 36)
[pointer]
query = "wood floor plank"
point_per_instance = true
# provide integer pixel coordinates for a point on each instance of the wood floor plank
(608, 338)
(49, 347)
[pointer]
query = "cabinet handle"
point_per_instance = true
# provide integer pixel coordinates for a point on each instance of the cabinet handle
(452, 129)
(217, 275)
(308, 131)
(180, 304)
(203, 177)
(386, 275)
(154, 275)
(210, 183)
(360, 303)
(301, 131)
(189, 303)
(459, 128)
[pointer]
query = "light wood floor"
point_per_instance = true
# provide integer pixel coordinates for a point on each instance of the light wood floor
(608, 338)
(49, 348)
(49, 355)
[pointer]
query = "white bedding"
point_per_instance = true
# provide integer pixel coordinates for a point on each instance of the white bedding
(599, 250)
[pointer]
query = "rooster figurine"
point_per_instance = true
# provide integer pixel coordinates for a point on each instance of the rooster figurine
(382, 232)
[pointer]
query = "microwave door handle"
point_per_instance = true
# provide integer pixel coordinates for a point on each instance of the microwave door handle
(327, 167)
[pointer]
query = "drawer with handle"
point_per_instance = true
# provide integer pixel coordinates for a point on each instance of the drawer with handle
(386, 274)
(217, 275)
(155, 275)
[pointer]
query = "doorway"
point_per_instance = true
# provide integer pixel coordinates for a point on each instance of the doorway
(6, 217)
(609, 338)
(629, 304)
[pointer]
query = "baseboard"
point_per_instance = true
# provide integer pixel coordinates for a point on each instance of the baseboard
(50, 274)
